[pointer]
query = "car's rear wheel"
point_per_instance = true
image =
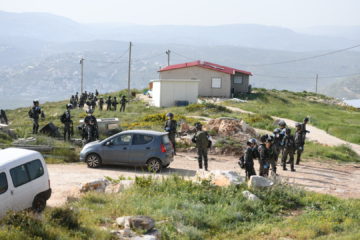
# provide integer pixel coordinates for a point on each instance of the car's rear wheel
(93, 160)
(38, 204)
(154, 165)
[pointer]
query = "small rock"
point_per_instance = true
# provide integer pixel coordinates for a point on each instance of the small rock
(220, 178)
(123, 221)
(250, 196)
(97, 185)
(119, 187)
(142, 223)
(259, 182)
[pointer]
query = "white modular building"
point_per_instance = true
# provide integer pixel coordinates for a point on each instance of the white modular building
(174, 92)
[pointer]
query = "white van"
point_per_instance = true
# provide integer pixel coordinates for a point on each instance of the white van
(24, 180)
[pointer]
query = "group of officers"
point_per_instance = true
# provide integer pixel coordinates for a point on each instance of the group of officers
(281, 142)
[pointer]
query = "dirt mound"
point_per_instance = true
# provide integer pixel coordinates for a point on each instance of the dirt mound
(224, 127)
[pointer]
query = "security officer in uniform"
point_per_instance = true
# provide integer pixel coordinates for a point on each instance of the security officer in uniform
(170, 127)
(108, 103)
(101, 103)
(201, 138)
(264, 157)
(247, 161)
(123, 102)
(91, 127)
(299, 142)
(66, 120)
(277, 143)
(289, 150)
(115, 103)
(35, 113)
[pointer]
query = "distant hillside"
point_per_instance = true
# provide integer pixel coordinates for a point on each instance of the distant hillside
(348, 88)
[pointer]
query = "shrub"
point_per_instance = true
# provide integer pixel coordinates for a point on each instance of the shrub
(65, 217)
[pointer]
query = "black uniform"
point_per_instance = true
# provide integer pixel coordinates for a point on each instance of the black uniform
(115, 103)
(66, 120)
(123, 102)
(170, 127)
(35, 113)
(101, 104)
(289, 149)
(108, 104)
(91, 129)
(3, 117)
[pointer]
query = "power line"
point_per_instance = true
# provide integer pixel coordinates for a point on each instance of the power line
(307, 77)
(305, 58)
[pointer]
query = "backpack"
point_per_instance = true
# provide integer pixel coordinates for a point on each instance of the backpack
(63, 118)
(31, 113)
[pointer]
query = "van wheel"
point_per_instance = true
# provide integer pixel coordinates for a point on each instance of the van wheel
(153, 165)
(167, 165)
(39, 204)
(93, 160)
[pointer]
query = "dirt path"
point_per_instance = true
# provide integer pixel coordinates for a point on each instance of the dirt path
(338, 180)
(315, 134)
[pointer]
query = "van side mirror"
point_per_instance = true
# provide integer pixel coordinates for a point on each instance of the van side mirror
(109, 143)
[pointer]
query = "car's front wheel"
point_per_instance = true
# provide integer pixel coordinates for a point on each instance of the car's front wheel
(154, 165)
(93, 160)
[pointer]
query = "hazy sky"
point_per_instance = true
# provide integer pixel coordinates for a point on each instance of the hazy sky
(288, 13)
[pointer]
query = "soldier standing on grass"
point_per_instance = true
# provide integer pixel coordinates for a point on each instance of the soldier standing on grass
(115, 103)
(264, 157)
(35, 113)
(123, 102)
(91, 127)
(66, 120)
(289, 150)
(108, 103)
(201, 138)
(170, 127)
(101, 103)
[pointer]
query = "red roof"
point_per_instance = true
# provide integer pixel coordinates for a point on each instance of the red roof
(208, 65)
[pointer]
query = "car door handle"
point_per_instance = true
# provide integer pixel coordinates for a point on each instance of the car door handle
(124, 148)
(12, 192)
(148, 148)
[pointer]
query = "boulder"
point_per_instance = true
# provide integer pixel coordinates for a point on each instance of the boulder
(142, 223)
(123, 221)
(220, 178)
(97, 185)
(259, 182)
(250, 196)
(119, 187)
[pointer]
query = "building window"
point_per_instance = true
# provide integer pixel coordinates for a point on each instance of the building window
(216, 82)
(238, 79)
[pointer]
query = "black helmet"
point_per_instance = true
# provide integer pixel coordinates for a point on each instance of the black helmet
(35, 101)
(277, 131)
(68, 106)
(198, 125)
(252, 141)
(263, 138)
(297, 125)
(89, 111)
(306, 119)
(171, 115)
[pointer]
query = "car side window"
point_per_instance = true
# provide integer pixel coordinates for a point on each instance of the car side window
(27, 172)
(35, 169)
(3, 183)
(19, 175)
(122, 140)
(139, 139)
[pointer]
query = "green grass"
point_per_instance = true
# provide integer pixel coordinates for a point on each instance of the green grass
(343, 122)
(185, 210)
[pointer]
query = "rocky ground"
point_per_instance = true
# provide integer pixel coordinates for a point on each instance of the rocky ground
(335, 179)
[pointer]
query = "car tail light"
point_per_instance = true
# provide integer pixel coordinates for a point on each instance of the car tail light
(162, 148)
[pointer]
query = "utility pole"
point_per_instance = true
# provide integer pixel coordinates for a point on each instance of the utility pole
(168, 53)
(316, 83)
(129, 71)
(82, 75)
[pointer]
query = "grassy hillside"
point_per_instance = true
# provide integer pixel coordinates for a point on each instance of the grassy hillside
(140, 116)
(185, 210)
(348, 88)
(343, 122)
